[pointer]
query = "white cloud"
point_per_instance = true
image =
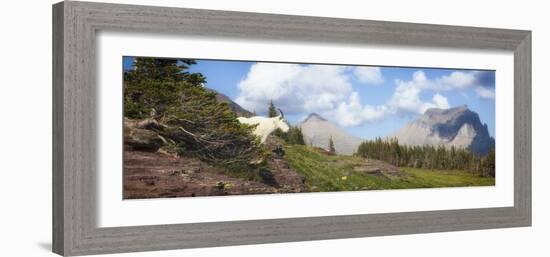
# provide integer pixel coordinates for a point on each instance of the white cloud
(455, 80)
(486, 93)
(462, 80)
(369, 75)
(353, 113)
(406, 97)
(308, 88)
(327, 90)
(296, 88)
(440, 101)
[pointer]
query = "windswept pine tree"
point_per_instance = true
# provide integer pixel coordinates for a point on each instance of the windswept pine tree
(154, 85)
(185, 113)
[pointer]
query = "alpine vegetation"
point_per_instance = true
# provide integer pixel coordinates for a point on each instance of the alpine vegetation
(214, 128)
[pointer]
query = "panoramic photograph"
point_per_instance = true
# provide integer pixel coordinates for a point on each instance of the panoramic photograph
(195, 128)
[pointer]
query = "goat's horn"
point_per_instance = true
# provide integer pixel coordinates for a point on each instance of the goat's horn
(282, 114)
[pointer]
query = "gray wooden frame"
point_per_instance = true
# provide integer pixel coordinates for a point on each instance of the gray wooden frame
(75, 25)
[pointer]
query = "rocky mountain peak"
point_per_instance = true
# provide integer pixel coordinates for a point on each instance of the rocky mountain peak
(437, 115)
(318, 131)
(458, 109)
(458, 126)
(314, 117)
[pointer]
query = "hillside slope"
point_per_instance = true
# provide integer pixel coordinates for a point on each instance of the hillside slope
(239, 110)
(324, 173)
(317, 132)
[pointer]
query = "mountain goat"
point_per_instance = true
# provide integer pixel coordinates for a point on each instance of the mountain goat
(265, 126)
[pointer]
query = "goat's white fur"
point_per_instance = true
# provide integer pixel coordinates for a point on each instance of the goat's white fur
(265, 126)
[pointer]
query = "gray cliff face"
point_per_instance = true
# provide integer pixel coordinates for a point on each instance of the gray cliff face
(317, 131)
(459, 127)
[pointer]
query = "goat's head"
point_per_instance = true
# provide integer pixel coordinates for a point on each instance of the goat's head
(281, 123)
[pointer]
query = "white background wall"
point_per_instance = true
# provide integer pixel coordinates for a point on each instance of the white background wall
(25, 128)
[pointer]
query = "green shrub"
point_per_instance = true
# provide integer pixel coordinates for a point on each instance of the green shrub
(190, 115)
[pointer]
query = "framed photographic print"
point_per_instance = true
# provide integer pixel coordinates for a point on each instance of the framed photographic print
(182, 128)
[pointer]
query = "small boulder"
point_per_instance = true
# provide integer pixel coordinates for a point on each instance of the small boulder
(279, 151)
(267, 177)
(149, 124)
(141, 139)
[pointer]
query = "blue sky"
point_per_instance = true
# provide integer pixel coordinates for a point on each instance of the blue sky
(366, 101)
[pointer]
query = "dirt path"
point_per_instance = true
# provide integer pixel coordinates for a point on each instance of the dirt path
(162, 175)
(154, 175)
(288, 180)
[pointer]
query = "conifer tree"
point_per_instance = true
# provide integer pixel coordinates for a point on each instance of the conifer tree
(331, 148)
(272, 111)
(294, 136)
(188, 115)
(428, 156)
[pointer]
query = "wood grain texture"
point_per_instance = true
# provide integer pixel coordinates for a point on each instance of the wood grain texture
(522, 128)
(74, 124)
(58, 230)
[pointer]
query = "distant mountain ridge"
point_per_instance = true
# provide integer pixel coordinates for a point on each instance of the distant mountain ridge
(458, 126)
(239, 110)
(317, 131)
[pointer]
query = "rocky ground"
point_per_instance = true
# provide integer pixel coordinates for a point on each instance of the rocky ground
(284, 177)
(153, 173)
(157, 174)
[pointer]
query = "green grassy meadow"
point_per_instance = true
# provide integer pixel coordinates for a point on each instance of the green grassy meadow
(326, 173)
